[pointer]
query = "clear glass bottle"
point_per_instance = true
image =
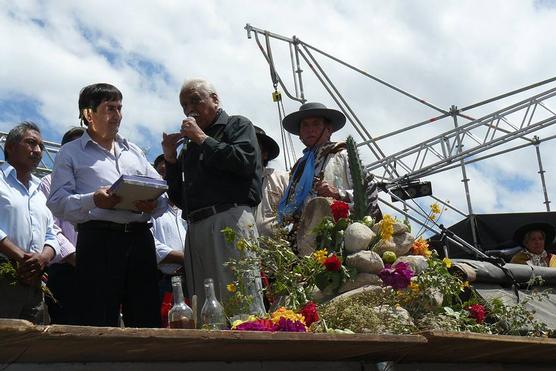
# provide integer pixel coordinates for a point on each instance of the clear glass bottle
(212, 313)
(181, 315)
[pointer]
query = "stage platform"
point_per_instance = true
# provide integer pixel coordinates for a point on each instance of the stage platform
(24, 346)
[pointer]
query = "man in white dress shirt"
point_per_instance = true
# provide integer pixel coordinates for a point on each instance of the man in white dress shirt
(27, 238)
(116, 260)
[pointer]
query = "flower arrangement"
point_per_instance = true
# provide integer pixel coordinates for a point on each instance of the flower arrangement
(373, 277)
(280, 320)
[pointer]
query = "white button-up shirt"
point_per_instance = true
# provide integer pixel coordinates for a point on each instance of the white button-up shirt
(83, 166)
(24, 218)
(169, 234)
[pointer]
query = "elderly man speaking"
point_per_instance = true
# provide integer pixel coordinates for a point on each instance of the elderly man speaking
(216, 181)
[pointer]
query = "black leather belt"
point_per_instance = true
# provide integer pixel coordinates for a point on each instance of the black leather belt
(205, 212)
(111, 226)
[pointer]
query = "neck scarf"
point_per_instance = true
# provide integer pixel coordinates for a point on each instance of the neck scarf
(299, 187)
(539, 260)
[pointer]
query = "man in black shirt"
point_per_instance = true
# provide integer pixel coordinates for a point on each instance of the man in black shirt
(216, 181)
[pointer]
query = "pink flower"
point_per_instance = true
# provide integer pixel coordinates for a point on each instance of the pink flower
(340, 210)
(257, 325)
(309, 312)
(332, 263)
(477, 311)
(398, 276)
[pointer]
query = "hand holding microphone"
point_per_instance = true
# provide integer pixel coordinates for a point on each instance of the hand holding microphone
(190, 129)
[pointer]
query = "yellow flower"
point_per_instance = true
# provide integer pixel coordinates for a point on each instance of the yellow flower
(421, 247)
(414, 287)
(287, 314)
(387, 227)
(320, 255)
(447, 262)
(241, 245)
(435, 208)
(238, 322)
(231, 287)
(465, 285)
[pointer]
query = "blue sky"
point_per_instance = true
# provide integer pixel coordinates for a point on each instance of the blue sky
(448, 52)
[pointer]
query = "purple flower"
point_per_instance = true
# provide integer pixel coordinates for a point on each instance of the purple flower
(398, 276)
(257, 325)
(288, 325)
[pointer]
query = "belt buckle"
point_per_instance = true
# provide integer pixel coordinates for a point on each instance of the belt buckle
(126, 228)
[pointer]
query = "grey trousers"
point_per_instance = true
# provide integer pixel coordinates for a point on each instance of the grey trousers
(206, 251)
(20, 301)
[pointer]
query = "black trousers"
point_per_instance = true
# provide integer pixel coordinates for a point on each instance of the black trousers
(117, 269)
(62, 283)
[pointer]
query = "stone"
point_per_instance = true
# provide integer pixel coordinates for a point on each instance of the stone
(360, 280)
(384, 245)
(357, 237)
(403, 242)
(315, 210)
(359, 291)
(400, 228)
(418, 263)
(365, 262)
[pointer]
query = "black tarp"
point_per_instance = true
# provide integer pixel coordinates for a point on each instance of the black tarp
(494, 231)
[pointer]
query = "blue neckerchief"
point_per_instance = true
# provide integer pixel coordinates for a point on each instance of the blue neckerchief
(290, 204)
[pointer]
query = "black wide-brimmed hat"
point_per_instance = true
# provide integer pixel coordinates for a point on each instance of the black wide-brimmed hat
(291, 121)
(268, 143)
(548, 230)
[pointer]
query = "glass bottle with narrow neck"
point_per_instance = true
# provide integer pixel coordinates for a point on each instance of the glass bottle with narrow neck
(212, 313)
(181, 315)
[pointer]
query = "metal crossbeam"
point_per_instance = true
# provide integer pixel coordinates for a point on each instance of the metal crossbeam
(470, 139)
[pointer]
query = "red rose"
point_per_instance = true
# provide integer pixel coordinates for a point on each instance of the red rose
(332, 263)
(309, 311)
(478, 312)
(340, 210)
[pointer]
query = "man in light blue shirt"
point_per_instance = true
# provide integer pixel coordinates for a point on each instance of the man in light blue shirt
(115, 259)
(27, 238)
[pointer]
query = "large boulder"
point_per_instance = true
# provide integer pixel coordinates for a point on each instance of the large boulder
(357, 237)
(360, 280)
(403, 242)
(374, 289)
(384, 245)
(365, 261)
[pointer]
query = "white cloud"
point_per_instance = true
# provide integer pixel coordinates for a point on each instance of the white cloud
(447, 52)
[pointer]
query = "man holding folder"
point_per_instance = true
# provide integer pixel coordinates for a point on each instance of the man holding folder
(116, 261)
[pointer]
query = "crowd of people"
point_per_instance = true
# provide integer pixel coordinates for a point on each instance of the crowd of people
(106, 263)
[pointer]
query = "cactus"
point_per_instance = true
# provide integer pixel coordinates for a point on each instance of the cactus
(360, 203)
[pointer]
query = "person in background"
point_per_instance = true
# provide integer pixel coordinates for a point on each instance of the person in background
(61, 271)
(216, 181)
(27, 238)
(274, 185)
(169, 232)
(534, 238)
(115, 258)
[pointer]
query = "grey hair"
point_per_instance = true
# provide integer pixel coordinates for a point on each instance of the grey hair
(199, 84)
(15, 135)
(527, 235)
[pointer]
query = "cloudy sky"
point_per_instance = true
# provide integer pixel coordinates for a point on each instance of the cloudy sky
(446, 52)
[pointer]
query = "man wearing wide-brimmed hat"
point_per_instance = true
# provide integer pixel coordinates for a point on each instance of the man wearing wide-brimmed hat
(322, 174)
(535, 238)
(274, 184)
